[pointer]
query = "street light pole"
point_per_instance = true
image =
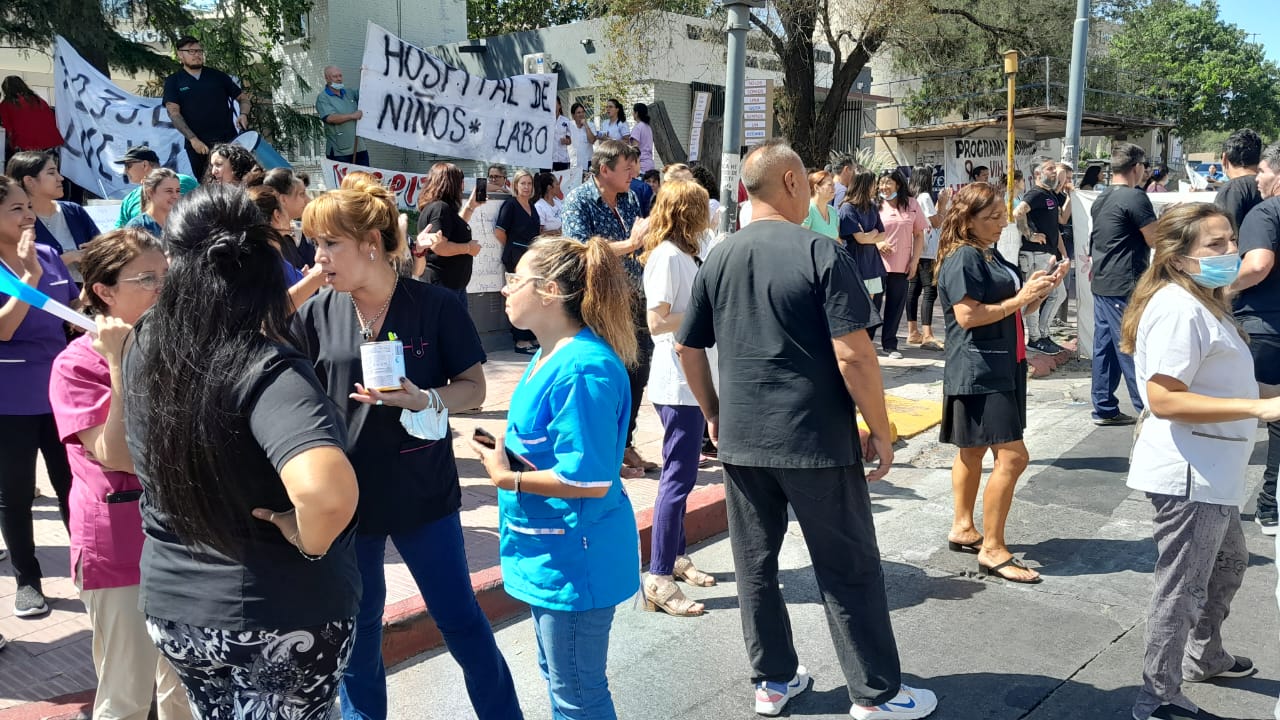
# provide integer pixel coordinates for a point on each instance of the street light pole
(739, 24)
(1011, 74)
(1075, 93)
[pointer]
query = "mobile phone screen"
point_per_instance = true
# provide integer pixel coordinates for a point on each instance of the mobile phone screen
(482, 188)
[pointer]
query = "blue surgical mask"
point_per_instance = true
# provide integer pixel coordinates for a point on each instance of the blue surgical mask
(888, 197)
(1217, 271)
(337, 86)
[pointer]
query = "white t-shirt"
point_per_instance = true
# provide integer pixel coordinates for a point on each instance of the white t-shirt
(1208, 462)
(668, 278)
(549, 215)
(581, 156)
(610, 130)
(57, 226)
(560, 151)
(933, 234)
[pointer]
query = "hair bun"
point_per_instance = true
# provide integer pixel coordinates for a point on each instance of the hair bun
(227, 251)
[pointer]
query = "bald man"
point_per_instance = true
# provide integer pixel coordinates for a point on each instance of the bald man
(788, 314)
(338, 108)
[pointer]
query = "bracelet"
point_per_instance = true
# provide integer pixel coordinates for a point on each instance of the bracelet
(294, 541)
(518, 474)
(418, 254)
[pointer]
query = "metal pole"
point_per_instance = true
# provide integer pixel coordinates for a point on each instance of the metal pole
(1075, 95)
(1010, 72)
(734, 90)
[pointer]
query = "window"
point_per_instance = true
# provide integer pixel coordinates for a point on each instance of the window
(297, 27)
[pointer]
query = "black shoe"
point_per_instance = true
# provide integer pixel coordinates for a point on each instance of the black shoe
(1267, 521)
(1242, 667)
(1117, 419)
(1173, 712)
(1043, 346)
(1050, 346)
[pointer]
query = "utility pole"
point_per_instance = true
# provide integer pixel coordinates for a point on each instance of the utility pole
(1075, 96)
(734, 90)
(1011, 74)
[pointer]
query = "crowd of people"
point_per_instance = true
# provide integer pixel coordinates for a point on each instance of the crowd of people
(229, 475)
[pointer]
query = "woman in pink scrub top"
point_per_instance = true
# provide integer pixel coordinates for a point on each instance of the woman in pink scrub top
(123, 273)
(904, 228)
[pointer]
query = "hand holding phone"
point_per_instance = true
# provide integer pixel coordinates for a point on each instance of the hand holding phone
(481, 193)
(515, 460)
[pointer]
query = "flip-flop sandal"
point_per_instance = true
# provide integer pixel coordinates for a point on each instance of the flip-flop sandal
(1013, 561)
(970, 548)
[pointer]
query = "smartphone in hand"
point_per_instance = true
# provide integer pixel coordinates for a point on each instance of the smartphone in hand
(517, 461)
(482, 188)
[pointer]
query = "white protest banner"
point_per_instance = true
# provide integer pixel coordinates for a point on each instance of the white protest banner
(965, 154)
(100, 122)
(407, 186)
(415, 100)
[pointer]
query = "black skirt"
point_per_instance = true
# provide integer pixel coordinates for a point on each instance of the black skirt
(970, 421)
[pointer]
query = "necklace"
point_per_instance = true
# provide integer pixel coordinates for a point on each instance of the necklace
(366, 328)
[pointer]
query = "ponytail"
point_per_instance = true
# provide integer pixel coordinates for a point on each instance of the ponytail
(593, 286)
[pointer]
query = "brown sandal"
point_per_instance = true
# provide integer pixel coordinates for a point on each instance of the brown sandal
(665, 595)
(685, 571)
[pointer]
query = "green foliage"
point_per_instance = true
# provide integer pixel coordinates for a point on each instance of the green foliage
(1220, 80)
(486, 18)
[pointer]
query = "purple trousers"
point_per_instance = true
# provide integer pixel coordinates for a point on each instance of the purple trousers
(681, 445)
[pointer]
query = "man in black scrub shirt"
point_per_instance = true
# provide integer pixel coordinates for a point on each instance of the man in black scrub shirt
(1256, 294)
(1240, 155)
(199, 103)
(788, 313)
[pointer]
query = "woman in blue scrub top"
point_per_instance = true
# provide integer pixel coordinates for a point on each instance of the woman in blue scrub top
(569, 545)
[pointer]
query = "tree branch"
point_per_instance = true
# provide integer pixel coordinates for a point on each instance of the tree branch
(779, 46)
(992, 29)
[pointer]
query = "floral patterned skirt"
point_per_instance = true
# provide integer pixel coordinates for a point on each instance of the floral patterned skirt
(257, 674)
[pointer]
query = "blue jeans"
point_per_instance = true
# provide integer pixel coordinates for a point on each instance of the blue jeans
(1109, 364)
(573, 650)
(435, 555)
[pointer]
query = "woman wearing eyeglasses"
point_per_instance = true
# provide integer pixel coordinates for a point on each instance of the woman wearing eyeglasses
(123, 272)
(568, 544)
(29, 341)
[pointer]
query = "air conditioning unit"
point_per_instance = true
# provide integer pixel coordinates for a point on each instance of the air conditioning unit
(537, 63)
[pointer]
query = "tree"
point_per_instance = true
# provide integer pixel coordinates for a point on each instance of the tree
(1219, 79)
(486, 18)
(239, 35)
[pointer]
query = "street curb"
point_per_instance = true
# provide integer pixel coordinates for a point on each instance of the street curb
(407, 628)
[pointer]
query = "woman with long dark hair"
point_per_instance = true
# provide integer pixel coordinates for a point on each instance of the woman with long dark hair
(292, 188)
(569, 544)
(984, 381)
(398, 436)
(29, 341)
(613, 126)
(546, 187)
(516, 227)
(249, 577)
(671, 260)
(302, 283)
(861, 231)
(904, 226)
(1092, 177)
(921, 282)
(1191, 456)
(642, 136)
(28, 120)
(447, 259)
(124, 271)
(63, 226)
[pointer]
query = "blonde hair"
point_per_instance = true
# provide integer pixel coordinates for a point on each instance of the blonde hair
(360, 205)
(1175, 233)
(515, 183)
(679, 215)
(676, 171)
(592, 285)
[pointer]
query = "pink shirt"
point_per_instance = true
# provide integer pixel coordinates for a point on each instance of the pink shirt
(642, 136)
(106, 538)
(899, 228)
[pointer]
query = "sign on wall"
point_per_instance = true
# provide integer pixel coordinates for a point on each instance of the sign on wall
(413, 99)
(965, 154)
(100, 122)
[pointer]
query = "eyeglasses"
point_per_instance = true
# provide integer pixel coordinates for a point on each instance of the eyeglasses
(147, 281)
(192, 51)
(515, 282)
(497, 178)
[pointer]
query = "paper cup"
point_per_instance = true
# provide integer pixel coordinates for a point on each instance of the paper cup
(383, 365)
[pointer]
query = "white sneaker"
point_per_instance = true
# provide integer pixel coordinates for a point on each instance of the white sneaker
(909, 703)
(771, 697)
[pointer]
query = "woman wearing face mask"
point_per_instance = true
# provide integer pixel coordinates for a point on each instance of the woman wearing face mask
(1191, 457)
(160, 192)
(584, 138)
(124, 271)
(900, 250)
(517, 224)
(63, 226)
(399, 440)
(29, 341)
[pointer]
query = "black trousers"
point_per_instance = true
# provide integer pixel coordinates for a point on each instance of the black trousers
(1266, 361)
(833, 508)
(921, 285)
(639, 377)
(890, 305)
(21, 436)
